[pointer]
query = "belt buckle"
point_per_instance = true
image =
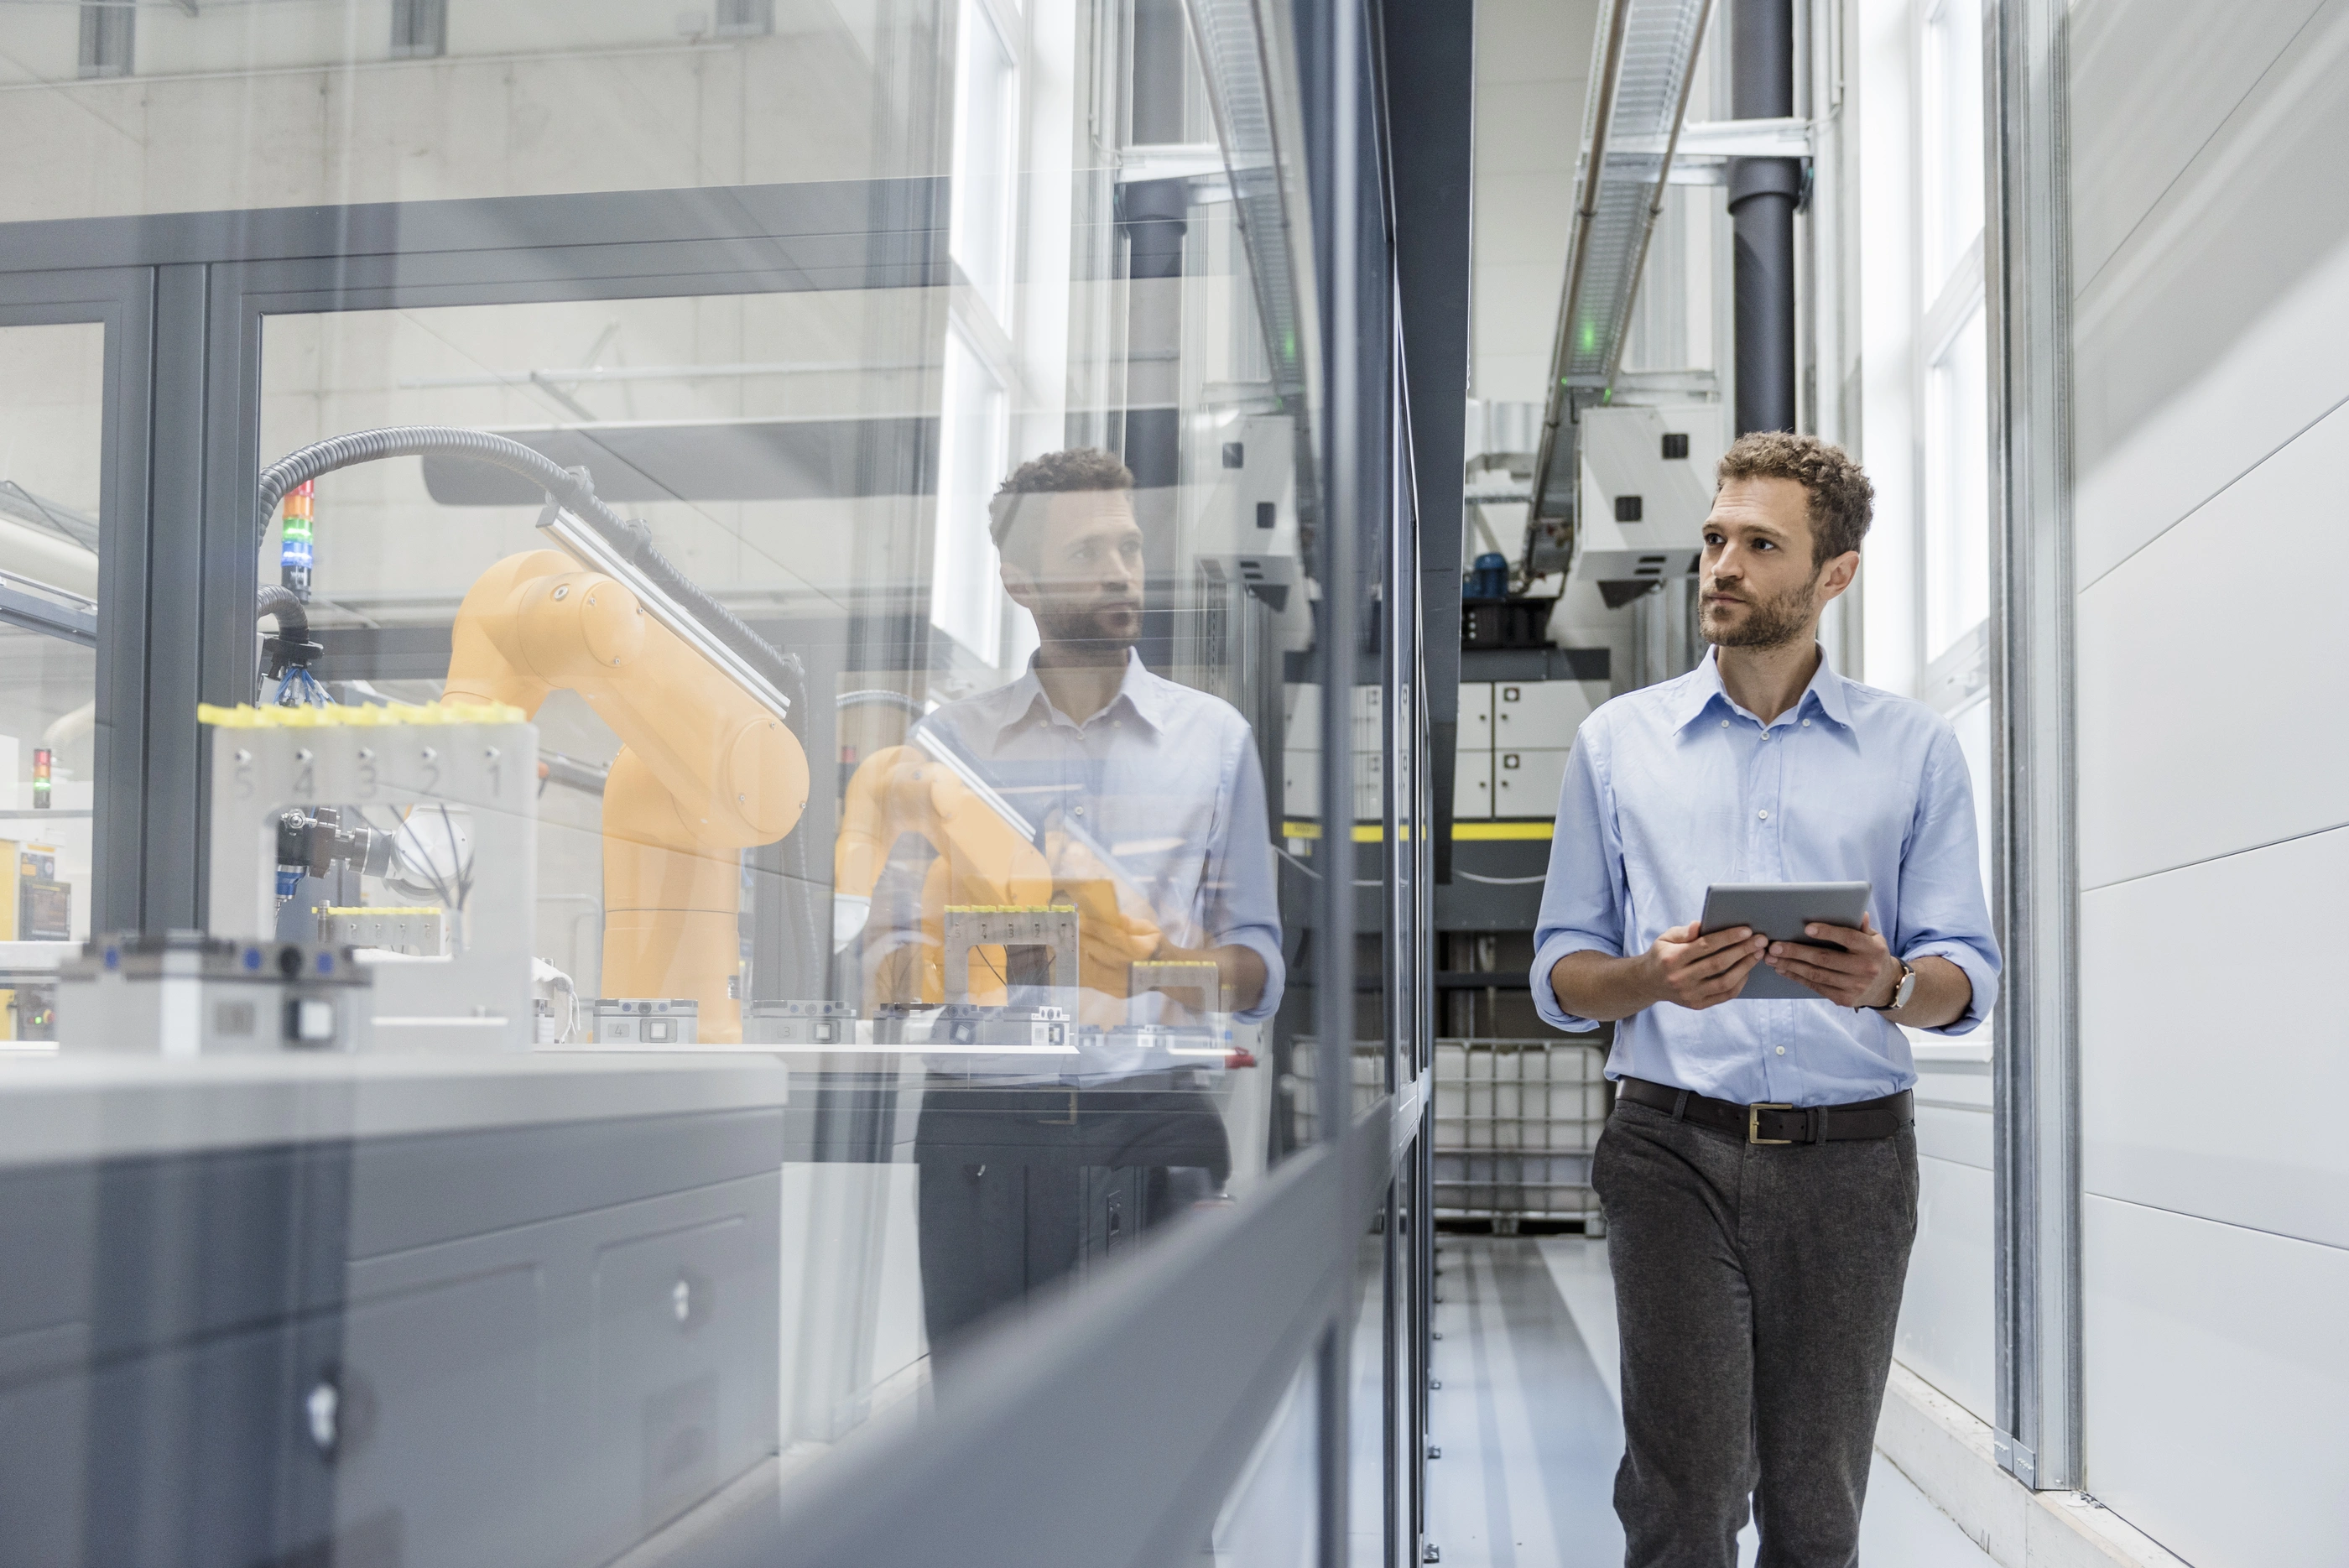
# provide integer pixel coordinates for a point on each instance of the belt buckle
(1753, 1122)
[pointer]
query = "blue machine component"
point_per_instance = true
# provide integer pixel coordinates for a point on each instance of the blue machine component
(1488, 579)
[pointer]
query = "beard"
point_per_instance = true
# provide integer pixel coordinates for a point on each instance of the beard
(1098, 634)
(1768, 623)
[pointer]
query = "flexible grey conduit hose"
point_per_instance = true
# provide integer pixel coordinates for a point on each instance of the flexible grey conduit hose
(570, 488)
(293, 620)
(574, 491)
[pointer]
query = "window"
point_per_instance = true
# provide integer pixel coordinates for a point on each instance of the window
(745, 18)
(1952, 139)
(1953, 409)
(1957, 489)
(51, 473)
(965, 596)
(986, 97)
(419, 29)
(108, 27)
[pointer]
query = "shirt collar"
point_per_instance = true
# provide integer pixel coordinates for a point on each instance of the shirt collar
(1140, 693)
(1701, 687)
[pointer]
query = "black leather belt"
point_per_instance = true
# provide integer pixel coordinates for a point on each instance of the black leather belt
(1772, 1122)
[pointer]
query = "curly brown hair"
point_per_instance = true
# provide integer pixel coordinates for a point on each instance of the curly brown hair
(1843, 502)
(1078, 468)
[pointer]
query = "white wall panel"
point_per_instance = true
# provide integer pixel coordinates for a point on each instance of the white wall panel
(2210, 669)
(1947, 1322)
(2195, 62)
(1953, 1111)
(2201, 346)
(2217, 1374)
(2214, 1054)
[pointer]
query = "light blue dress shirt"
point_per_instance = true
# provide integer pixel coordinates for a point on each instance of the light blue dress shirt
(1164, 780)
(1675, 787)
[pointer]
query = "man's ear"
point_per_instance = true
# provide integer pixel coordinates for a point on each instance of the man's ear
(1838, 574)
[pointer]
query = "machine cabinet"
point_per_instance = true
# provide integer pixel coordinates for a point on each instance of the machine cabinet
(531, 1346)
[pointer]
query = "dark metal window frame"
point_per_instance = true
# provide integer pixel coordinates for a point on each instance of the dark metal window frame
(185, 296)
(121, 301)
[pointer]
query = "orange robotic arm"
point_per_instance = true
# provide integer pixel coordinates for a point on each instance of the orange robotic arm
(982, 859)
(704, 770)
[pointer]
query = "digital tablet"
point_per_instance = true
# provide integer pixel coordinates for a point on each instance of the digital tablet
(1779, 910)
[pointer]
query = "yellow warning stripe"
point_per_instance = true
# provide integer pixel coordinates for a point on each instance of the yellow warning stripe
(1372, 833)
(1461, 830)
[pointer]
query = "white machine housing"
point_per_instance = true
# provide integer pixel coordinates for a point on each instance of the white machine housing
(1623, 459)
(1245, 530)
(266, 761)
(181, 993)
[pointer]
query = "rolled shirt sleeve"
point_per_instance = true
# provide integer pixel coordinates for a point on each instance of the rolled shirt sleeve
(1582, 897)
(1942, 913)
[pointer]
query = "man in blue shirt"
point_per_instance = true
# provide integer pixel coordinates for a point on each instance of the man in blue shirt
(1759, 1173)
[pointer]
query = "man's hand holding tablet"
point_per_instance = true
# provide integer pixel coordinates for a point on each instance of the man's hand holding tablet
(1818, 943)
(1850, 967)
(1699, 971)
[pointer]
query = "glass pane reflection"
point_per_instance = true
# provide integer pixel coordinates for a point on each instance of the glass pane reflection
(51, 426)
(791, 865)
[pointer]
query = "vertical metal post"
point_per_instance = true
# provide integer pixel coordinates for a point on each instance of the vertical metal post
(170, 805)
(1431, 88)
(117, 823)
(1351, 505)
(2035, 1071)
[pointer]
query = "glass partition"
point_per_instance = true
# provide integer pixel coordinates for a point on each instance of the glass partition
(768, 820)
(51, 423)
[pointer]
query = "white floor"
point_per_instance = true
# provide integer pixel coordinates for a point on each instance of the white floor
(1528, 1421)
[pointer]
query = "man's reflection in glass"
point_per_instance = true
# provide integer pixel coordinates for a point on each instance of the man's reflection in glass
(1148, 805)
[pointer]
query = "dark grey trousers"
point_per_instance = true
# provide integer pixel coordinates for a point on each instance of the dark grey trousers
(1756, 1288)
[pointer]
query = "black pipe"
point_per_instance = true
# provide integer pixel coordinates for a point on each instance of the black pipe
(1762, 193)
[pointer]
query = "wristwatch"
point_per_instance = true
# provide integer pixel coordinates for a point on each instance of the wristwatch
(1904, 991)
